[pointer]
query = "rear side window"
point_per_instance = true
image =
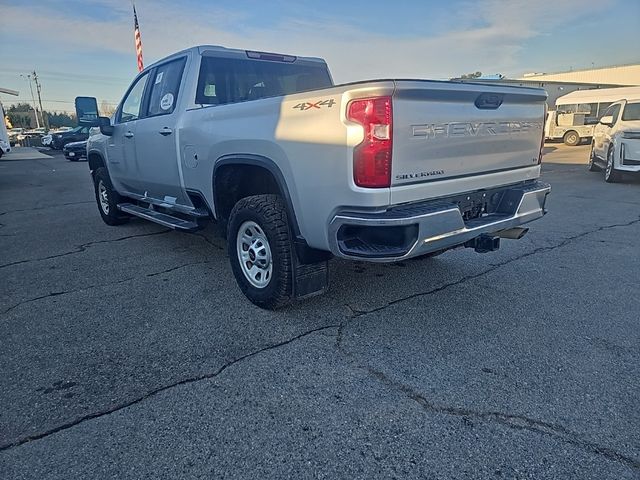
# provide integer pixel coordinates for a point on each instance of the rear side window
(230, 80)
(165, 84)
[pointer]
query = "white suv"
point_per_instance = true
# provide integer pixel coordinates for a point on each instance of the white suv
(616, 141)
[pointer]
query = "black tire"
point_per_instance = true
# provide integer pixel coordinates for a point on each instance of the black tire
(611, 175)
(571, 138)
(265, 217)
(109, 209)
(593, 166)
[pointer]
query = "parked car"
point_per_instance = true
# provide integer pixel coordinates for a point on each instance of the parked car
(300, 170)
(5, 147)
(59, 140)
(75, 151)
(15, 134)
(616, 141)
(40, 131)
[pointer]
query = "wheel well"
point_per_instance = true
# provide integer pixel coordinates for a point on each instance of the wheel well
(236, 181)
(95, 161)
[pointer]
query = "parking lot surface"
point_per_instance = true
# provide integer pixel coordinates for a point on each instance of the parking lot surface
(129, 352)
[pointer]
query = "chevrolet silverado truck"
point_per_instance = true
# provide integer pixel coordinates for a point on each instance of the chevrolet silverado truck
(299, 170)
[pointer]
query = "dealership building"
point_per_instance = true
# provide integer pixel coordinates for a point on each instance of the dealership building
(560, 83)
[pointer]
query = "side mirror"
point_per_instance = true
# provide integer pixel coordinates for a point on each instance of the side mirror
(608, 120)
(105, 126)
(87, 111)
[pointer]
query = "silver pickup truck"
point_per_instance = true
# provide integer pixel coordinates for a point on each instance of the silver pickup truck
(298, 169)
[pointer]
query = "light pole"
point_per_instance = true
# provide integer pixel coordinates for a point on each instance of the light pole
(33, 98)
(45, 121)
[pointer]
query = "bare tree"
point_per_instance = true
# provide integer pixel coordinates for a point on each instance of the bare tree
(472, 75)
(107, 109)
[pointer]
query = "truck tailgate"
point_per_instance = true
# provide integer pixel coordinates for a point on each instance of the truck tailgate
(445, 131)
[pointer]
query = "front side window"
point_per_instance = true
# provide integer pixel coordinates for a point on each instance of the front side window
(615, 110)
(164, 90)
(133, 102)
(608, 112)
(231, 80)
(602, 107)
(631, 112)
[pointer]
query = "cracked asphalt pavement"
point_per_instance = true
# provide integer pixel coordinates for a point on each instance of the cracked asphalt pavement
(129, 352)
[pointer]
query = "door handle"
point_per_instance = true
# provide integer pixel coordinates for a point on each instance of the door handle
(165, 131)
(129, 134)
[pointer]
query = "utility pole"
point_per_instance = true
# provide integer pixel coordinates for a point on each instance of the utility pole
(33, 99)
(38, 87)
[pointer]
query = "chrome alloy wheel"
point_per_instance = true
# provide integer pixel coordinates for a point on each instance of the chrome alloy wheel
(103, 194)
(254, 254)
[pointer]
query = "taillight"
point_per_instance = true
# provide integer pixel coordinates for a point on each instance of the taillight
(372, 157)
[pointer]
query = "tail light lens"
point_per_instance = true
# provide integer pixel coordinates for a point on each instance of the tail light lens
(372, 157)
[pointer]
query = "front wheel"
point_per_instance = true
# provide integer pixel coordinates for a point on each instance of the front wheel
(593, 167)
(259, 243)
(611, 175)
(107, 198)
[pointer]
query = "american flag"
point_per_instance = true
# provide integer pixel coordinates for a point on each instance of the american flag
(136, 35)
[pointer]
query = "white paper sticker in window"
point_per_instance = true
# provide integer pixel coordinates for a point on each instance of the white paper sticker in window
(167, 101)
(159, 77)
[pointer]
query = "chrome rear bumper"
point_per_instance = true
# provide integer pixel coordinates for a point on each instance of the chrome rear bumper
(417, 229)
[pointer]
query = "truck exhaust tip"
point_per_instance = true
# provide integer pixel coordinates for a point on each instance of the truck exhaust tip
(513, 233)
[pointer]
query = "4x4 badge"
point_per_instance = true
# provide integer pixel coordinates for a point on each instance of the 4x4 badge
(319, 104)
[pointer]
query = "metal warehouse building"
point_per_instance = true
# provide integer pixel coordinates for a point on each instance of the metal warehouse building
(621, 75)
(561, 83)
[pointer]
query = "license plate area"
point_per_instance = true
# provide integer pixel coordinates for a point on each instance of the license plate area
(479, 204)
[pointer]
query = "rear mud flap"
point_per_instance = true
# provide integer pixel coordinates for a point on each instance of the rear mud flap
(310, 280)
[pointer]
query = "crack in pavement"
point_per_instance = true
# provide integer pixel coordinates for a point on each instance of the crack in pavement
(156, 391)
(208, 240)
(83, 247)
(46, 207)
(518, 422)
(358, 313)
(108, 284)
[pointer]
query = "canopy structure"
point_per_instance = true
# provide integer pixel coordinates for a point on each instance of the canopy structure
(599, 95)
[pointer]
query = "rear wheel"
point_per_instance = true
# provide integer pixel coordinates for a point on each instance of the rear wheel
(571, 138)
(107, 198)
(611, 175)
(259, 243)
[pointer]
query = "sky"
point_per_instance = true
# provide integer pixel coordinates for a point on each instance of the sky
(86, 47)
